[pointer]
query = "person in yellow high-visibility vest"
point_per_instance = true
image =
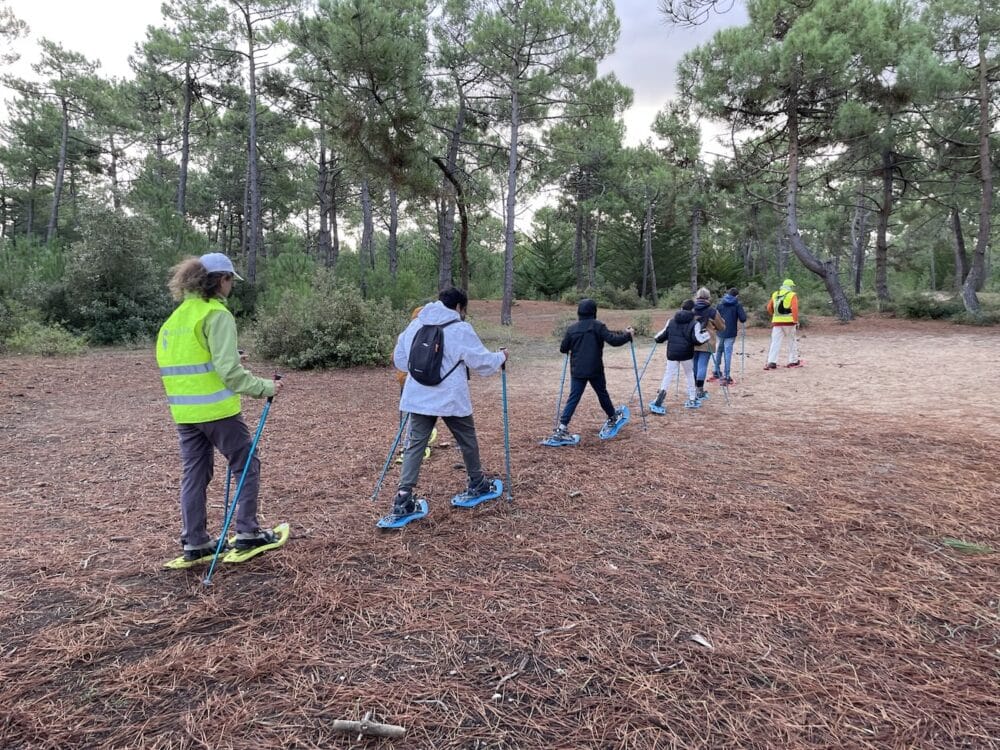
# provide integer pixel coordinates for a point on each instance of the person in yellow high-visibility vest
(203, 377)
(783, 307)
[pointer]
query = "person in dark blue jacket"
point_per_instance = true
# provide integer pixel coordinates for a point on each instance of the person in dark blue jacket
(584, 343)
(733, 314)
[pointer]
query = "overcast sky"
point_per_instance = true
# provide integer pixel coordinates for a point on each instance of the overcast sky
(646, 56)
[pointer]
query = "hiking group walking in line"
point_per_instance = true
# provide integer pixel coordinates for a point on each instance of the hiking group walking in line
(435, 356)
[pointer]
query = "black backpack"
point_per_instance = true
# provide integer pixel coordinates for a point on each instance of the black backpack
(427, 354)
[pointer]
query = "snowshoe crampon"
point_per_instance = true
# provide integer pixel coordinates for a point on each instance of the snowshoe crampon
(465, 500)
(555, 442)
(657, 408)
(281, 533)
(182, 563)
(608, 432)
(392, 521)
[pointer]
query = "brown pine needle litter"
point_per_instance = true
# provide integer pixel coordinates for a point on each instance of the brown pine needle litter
(802, 533)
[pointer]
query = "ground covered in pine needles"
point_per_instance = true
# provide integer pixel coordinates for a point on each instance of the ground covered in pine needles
(776, 572)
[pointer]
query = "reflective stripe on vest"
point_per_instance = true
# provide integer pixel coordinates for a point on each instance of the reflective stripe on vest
(780, 317)
(194, 389)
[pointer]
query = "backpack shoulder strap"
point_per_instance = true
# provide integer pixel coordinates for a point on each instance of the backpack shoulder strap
(458, 362)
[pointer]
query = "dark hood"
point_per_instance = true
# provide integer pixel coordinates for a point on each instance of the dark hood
(586, 309)
(729, 300)
(684, 316)
(701, 305)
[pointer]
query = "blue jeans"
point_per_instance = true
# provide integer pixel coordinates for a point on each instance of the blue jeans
(724, 349)
(701, 367)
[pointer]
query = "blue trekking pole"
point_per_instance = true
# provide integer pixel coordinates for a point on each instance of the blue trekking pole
(743, 350)
(562, 382)
(635, 366)
(239, 488)
(403, 419)
(506, 426)
(229, 477)
(643, 373)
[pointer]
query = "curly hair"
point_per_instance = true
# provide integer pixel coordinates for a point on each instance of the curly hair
(190, 276)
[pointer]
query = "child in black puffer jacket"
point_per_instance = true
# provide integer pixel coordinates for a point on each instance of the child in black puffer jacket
(682, 333)
(584, 342)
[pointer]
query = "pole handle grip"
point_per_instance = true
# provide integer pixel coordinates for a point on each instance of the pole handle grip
(277, 376)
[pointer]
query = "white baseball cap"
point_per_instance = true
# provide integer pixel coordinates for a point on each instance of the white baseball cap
(218, 263)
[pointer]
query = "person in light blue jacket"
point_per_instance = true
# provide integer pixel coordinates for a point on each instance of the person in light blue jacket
(449, 399)
(733, 314)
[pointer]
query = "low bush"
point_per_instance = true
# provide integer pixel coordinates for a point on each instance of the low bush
(46, 340)
(753, 297)
(641, 324)
(329, 326)
(608, 297)
(984, 318)
(564, 322)
(928, 307)
(112, 290)
(674, 297)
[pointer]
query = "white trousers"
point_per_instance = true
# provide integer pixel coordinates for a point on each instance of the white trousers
(778, 333)
(671, 372)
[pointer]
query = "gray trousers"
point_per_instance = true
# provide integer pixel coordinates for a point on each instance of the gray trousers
(198, 441)
(464, 431)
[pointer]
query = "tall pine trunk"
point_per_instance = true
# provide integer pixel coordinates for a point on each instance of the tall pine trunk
(882, 237)
(255, 231)
(696, 216)
(182, 174)
(366, 255)
(823, 269)
(116, 196)
(508, 252)
(334, 232)
(30, 219)
(977, 270)
(446, 206)
(859, 241)
(648, 255)
(323, 200)
(578, 248)
(595, 223)
(393, 229)
(961, 256)
(50, 233)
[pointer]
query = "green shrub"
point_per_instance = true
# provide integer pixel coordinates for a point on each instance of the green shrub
(328, 327)
(984, 318)
(10, 321)
(564, 322)
(26, 265)
(641, 324)
(290, 272)
(620, 298)
(112, 290)
(606, 296)
(46, 340)
(753, 297)
(572, 296)
(674, 297)
(928, 307)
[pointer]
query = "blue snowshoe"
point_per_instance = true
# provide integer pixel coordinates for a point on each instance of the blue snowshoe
(488, 489)
(398, 521)
(561, 437)
(613, 426)
(657, 408)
